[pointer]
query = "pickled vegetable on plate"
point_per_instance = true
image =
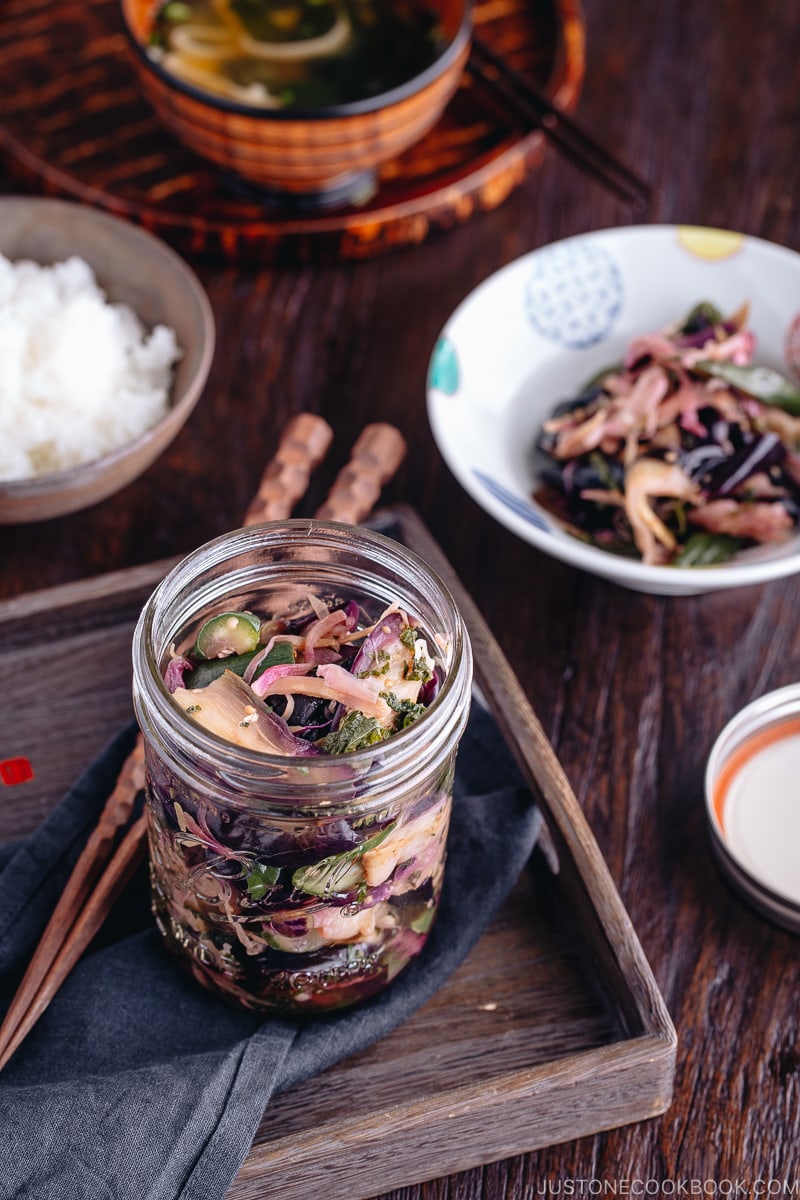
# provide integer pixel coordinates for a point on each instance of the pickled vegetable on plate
(684, 454)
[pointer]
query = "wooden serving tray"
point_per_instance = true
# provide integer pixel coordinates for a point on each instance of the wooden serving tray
(73, 123)
(552, 1029)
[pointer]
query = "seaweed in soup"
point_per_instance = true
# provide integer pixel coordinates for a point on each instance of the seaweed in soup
(296, 53)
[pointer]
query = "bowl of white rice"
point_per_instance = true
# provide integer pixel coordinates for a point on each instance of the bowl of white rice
(106, 340)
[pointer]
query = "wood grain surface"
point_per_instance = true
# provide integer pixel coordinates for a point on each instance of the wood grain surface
(631, 689)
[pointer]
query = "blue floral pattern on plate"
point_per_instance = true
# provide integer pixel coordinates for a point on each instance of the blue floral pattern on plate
(522, 508)
(573, 294)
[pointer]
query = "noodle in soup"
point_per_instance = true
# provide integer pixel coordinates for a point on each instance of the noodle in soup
(295, 53)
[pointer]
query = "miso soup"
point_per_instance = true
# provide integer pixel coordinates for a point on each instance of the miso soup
(296, 53)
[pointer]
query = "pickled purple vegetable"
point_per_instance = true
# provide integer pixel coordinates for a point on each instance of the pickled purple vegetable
(286, 912)
(684, 454)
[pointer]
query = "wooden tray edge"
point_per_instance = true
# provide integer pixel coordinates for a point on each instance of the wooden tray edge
(619, 949)
(81, 591)
(469, 1127)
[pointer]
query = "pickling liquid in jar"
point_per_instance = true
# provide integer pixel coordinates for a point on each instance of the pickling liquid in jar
(298, 883)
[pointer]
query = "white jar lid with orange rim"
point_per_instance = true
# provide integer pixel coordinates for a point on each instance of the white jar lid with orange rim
(753, 804)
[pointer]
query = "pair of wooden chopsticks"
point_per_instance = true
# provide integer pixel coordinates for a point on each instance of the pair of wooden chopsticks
(101, 872)
(530, 105)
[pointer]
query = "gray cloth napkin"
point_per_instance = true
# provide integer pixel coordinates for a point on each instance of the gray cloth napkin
(136, 1084)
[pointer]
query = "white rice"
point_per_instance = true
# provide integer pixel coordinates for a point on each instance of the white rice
(79, 377)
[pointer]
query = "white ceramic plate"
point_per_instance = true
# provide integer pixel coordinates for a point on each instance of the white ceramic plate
(532, 333)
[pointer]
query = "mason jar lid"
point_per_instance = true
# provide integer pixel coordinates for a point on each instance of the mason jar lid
(753, 804)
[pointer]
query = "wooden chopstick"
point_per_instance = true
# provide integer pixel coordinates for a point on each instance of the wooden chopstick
(57, 960)
(26, 1007)
(533, 107)
(91, 891)
(374, 459)
(303, 445)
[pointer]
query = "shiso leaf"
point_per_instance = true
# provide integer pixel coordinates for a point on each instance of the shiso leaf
(407, 711)
(354, 733)
(262, 879)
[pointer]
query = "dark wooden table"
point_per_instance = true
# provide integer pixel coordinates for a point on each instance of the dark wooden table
(631, 689)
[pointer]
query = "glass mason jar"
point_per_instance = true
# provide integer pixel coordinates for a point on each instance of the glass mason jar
(297, 884)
